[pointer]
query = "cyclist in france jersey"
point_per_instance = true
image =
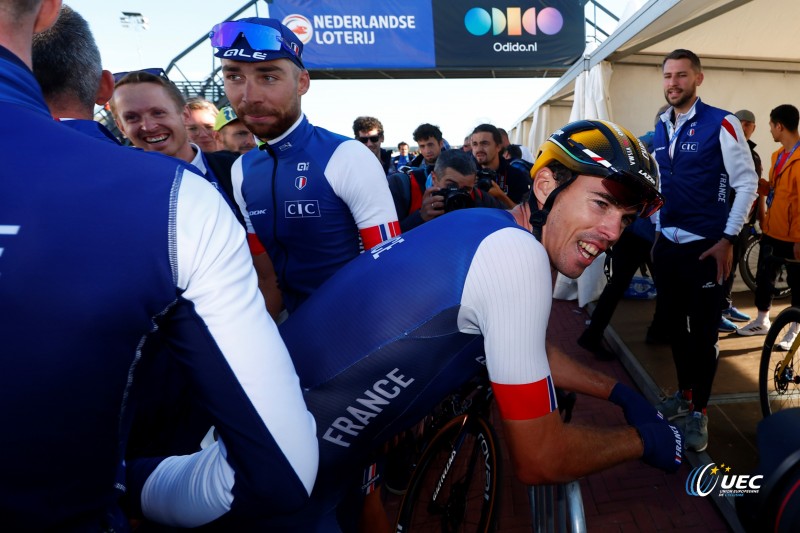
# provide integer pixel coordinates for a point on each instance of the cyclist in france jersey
(383, 354)
(103, 249)
(310, 198)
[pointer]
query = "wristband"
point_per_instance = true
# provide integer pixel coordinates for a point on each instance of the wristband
(733, 239)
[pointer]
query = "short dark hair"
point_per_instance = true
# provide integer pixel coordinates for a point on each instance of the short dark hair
(402, 143)
(460, 161)
(426, 131)
(140, 76)
(786, 115)
(367, 124)
(488, 128)
(66, 61)
(515, 151)
(560, 172)
(682, 53)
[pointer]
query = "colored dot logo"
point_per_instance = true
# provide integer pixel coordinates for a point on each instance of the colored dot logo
(301, 27)
(479, 21)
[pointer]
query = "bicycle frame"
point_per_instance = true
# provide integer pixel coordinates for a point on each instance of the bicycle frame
(782, 366)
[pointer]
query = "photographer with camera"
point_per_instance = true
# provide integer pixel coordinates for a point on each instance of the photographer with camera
(487, 147)
(454, 186)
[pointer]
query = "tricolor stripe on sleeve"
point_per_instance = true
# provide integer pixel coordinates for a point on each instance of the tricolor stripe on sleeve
(729, 128)
(526, 401)
(256, 248)
(375, 235)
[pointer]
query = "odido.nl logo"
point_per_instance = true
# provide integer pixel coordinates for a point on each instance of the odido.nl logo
(479, 21)
(703, 480)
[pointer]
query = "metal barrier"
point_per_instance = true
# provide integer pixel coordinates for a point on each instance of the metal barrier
(557, 508)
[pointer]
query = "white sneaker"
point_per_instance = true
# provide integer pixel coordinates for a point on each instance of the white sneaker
(786, 341)
(754, 328)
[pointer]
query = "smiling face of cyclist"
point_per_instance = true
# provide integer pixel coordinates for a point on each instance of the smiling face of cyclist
(152, 120)
(585, 220)
(265, 94)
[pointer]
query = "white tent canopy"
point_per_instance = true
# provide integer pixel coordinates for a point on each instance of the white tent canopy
(748, 49)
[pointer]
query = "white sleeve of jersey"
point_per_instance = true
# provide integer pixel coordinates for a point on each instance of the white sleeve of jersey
(507, 298)
(357, 177)
(215, 271)
(741, 171)
(237, 178)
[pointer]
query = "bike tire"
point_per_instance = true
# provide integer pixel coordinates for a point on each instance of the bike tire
(748, 262)
(748, 266)
(436, 499)
(778, 392)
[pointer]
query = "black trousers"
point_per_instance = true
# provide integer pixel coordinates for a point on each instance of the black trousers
(772, 253)
(690, 295)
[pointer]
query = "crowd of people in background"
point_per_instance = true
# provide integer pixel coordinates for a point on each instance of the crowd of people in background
(307, 203)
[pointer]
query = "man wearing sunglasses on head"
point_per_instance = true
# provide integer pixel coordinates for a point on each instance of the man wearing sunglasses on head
(311, 199)
(151, 112)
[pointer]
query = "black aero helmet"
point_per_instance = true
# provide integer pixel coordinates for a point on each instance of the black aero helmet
(605, 150)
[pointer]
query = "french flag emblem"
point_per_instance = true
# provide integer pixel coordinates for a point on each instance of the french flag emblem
(300, 182)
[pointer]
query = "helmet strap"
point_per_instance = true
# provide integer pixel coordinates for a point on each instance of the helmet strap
(539, 216)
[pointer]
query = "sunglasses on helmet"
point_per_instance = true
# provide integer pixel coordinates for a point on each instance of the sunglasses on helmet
(261, 38)
(641, 185)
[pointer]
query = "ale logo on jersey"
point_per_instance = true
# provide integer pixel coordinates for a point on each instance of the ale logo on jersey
(513, 21)
(300, 26)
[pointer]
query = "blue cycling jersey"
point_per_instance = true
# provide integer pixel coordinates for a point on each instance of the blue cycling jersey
(312, 198)
(103, 251)
(385, 351)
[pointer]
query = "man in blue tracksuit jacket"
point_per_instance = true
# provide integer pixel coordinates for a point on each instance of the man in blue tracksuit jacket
(702, 156)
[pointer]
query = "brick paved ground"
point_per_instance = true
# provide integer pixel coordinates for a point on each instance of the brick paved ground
(632, 497)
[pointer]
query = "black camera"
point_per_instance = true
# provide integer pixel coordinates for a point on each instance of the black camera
(455, 198)
(484, 179)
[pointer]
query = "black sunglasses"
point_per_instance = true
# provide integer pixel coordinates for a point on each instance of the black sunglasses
(373, 138)
(154, 71)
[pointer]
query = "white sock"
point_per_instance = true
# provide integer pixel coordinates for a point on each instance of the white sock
(763, 317)
(794, 328)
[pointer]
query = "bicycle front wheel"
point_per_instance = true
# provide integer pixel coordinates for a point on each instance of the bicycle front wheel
(455, 484)
(778, 381)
